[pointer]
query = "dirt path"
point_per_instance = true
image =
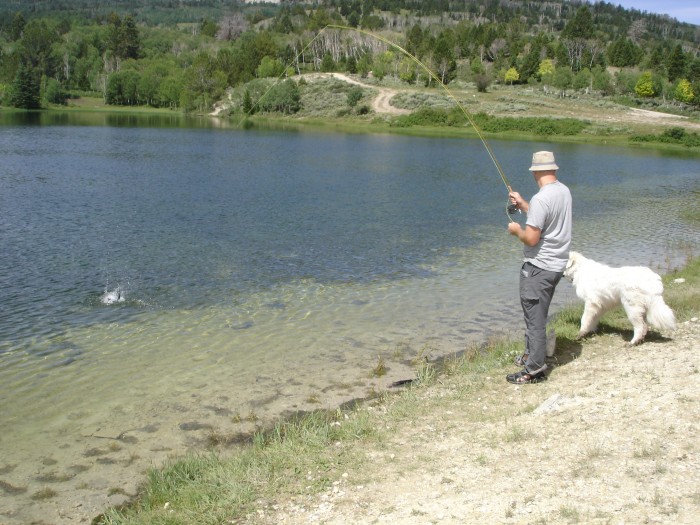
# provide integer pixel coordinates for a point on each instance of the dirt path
(382, 102)
(645, 116)
(612, 437)
(222, 105)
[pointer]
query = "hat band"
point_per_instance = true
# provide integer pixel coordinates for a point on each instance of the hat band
(545, 165)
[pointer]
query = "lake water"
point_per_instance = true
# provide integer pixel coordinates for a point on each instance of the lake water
(257, 273)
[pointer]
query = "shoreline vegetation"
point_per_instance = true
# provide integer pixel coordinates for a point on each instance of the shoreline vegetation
(503, 112)
(530, 113)
(353, 464)
(647, 129)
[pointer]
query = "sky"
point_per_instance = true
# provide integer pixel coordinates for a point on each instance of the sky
(682, 10)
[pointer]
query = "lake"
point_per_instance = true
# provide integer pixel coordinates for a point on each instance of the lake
(168, 280)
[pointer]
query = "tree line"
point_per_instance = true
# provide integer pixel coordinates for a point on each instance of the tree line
(45, 58)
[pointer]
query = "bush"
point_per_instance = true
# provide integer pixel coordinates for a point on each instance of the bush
(54, 92)
(423, 117)
(455, 117)
(122, 88)
(537, 125)
(354, 96)
(675, 135)
(283, 97)
(482, 83)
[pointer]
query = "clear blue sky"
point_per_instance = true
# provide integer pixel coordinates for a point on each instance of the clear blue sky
(683, 10)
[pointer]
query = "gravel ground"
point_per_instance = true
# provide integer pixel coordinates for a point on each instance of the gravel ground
(612, 437)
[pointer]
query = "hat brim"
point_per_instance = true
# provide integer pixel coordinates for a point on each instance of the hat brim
(544, 167)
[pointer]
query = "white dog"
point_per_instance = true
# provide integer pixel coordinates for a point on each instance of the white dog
(637, 288)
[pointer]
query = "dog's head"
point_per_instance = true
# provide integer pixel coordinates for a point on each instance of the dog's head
(572, 265)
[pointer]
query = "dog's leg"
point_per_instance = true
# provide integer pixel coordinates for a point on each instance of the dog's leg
(637, 315)
(589, 319)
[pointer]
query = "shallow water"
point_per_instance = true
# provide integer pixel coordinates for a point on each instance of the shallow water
(260, 273)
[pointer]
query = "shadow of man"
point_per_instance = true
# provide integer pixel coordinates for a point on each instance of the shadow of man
(567, 350)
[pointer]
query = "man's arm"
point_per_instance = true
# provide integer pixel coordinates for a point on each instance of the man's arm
(529, 235)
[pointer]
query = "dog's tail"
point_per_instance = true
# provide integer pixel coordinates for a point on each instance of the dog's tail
(660, 315)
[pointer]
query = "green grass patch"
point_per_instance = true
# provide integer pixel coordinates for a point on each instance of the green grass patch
(684, 297)
(97, 104)
(428, 116)
(675, 135)
(544, 126)
(299, 455)
(536, 125)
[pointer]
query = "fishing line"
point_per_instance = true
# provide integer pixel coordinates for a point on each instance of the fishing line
(510, 208)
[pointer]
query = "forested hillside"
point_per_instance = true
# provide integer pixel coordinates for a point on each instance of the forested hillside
(185, 54)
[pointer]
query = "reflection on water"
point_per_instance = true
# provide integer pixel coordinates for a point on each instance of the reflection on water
(107, 118)
(169, 282)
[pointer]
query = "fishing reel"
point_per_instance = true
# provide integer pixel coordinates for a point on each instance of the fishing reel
(511, 207)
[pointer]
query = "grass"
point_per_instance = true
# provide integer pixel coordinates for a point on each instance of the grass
(380, 368)
(93, 103)
(45, 493)
(303, 456)
(300, 455)
(569, 513)
(648, 451)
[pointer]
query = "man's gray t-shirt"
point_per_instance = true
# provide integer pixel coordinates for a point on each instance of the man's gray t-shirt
(550, 211)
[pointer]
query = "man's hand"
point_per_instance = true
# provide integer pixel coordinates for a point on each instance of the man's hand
(514, 228)
(518, 201)
(529, 235)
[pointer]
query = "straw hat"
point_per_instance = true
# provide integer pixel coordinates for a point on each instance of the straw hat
(543, 161)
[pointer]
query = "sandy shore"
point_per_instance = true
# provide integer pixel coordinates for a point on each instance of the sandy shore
(611, 437)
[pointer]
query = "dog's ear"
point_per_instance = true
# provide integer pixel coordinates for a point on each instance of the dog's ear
(573, 258)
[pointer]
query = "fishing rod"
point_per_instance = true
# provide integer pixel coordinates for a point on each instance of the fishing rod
(511, 207)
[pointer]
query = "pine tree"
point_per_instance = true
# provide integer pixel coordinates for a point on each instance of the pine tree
(26, 89)
(17, 27)
(645, 85)
(684, 92)
(676, 64)
(130, 44)
(328, 64)
(247, 103)
(531, 62)
(123, 37)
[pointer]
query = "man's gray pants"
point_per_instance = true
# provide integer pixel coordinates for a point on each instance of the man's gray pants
(536, 291)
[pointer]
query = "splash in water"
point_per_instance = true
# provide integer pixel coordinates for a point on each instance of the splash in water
(113, 297)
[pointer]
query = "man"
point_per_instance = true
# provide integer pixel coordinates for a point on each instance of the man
(546, 238)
